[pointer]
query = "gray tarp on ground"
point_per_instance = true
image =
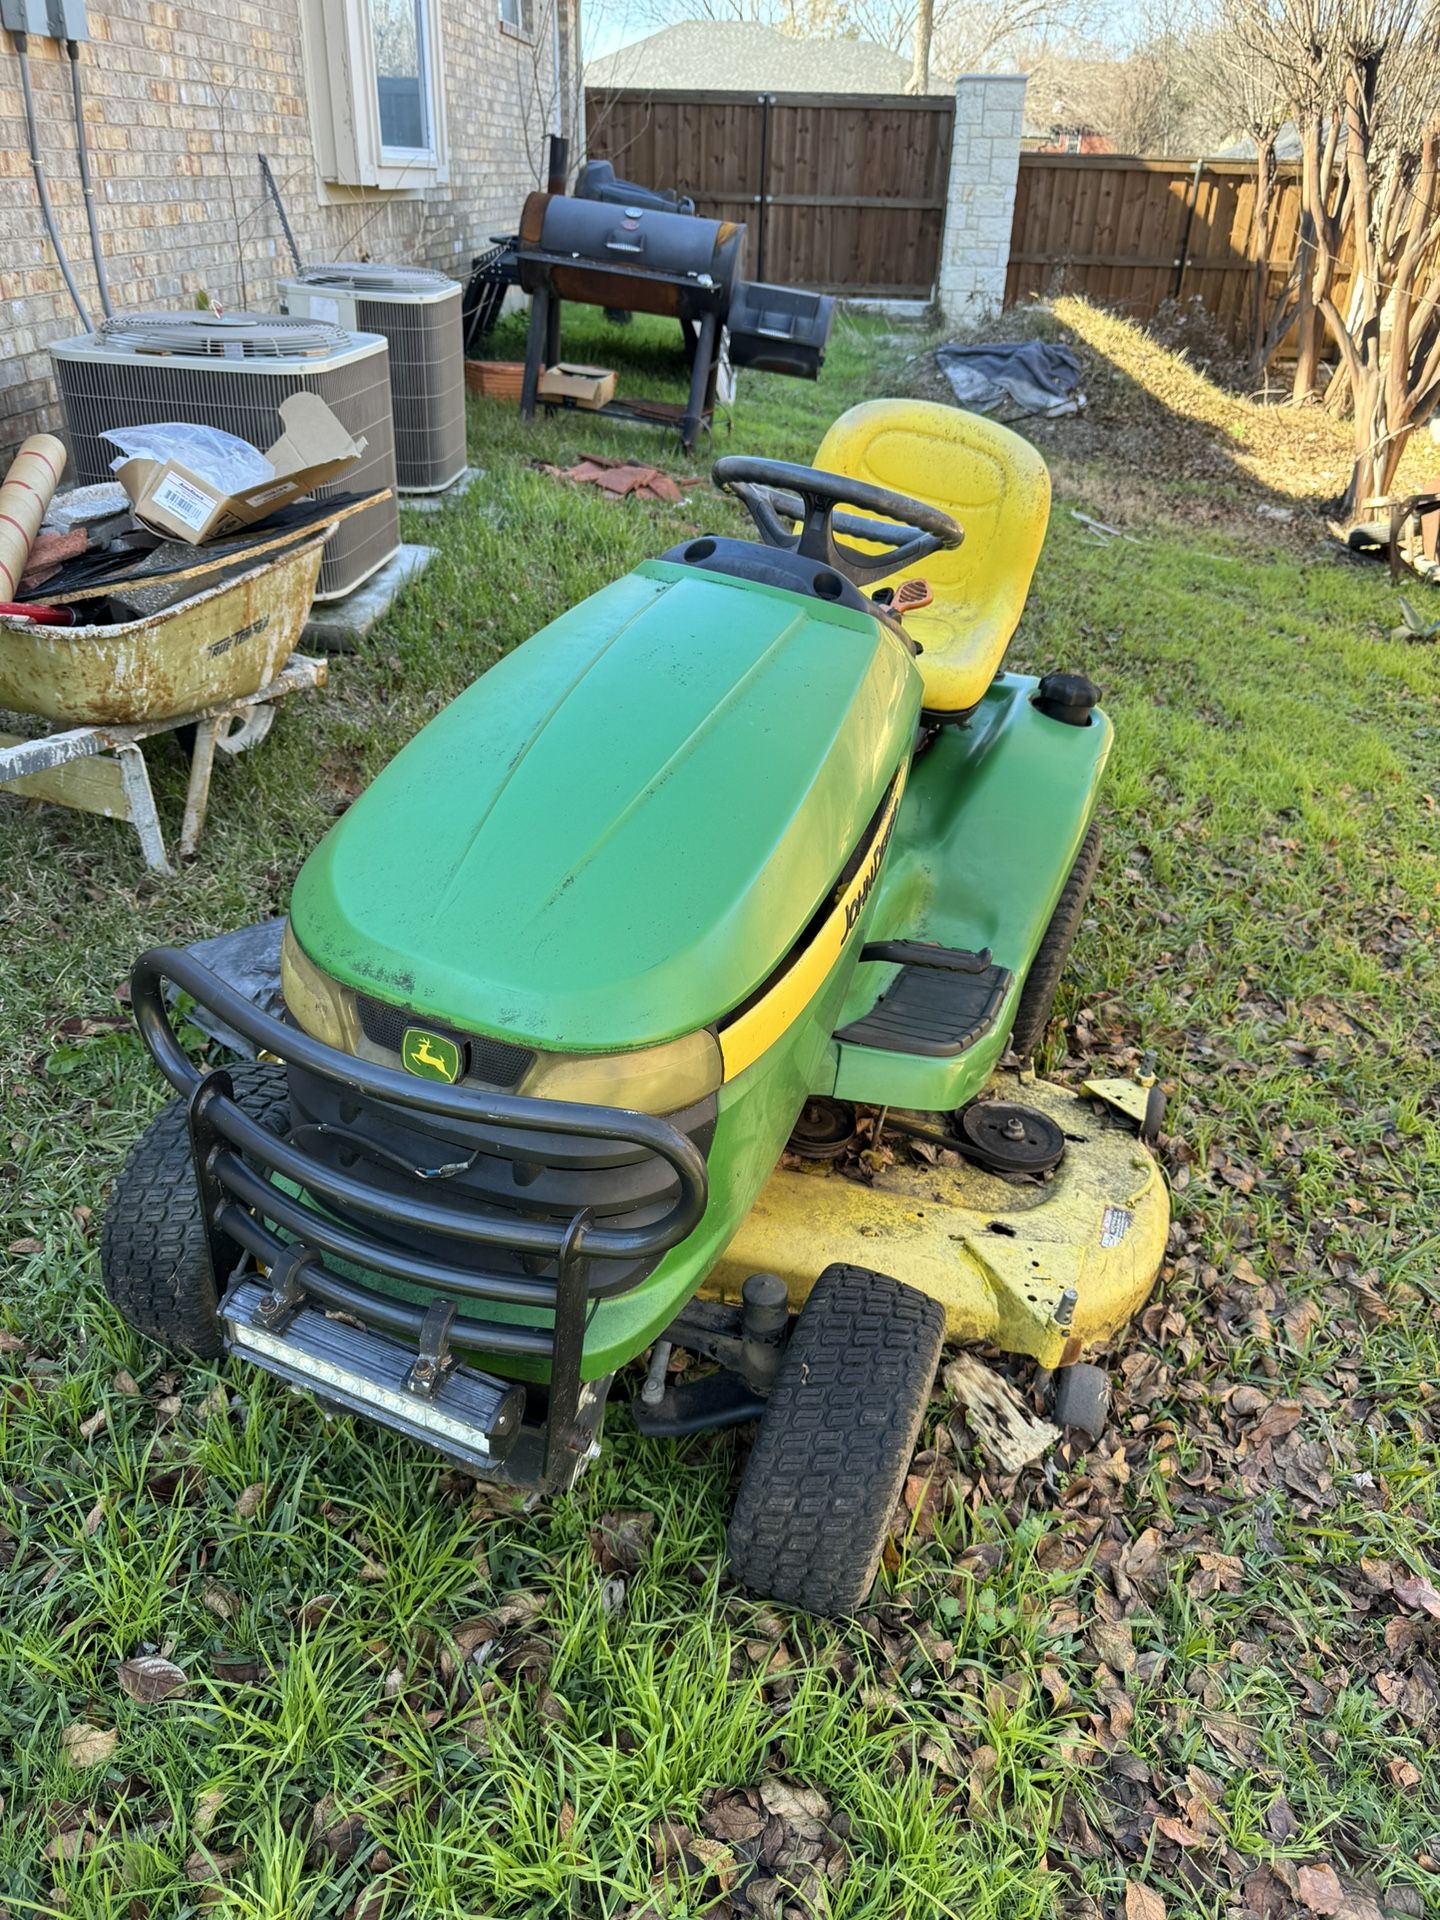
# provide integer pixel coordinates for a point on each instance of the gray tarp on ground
(1031, 376)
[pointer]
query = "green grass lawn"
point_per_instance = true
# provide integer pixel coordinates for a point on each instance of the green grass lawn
(1200, 1662)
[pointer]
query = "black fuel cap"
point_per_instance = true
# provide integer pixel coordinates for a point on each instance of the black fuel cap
(1067, 697)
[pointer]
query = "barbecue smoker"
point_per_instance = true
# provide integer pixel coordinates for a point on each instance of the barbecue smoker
(597, 180)
(640, 259)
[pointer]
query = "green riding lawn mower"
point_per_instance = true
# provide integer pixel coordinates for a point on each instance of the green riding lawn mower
(751, 860)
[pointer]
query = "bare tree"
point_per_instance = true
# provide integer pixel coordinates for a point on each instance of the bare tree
(1152, 92)
(985, 36)
(1155, 86)
(1247, 97)
(1362, 82)
(548, 80)
(924, 36)
(1288, 40)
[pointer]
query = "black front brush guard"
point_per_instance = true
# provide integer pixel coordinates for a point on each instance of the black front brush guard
(247, 1217)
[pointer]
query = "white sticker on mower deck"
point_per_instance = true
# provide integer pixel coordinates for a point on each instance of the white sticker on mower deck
(1115, 1223)
(188, 504)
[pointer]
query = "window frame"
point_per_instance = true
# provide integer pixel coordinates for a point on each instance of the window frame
(343, 88)
(523, 26)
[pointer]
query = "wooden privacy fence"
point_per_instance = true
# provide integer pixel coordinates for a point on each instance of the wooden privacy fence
(844, 192)
(1133, 234)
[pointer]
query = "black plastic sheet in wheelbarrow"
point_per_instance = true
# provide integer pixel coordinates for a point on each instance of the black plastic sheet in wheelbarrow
(1026, 376)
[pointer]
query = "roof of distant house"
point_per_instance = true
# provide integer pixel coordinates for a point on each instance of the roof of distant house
(735, 56)
(1287, 146)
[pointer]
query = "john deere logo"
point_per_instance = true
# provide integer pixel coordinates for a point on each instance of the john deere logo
(430, 1055)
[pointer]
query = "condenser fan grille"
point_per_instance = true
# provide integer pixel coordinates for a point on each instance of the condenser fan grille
(230, 336)
(368, 276)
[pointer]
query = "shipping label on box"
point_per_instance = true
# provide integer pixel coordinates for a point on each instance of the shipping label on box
(172, 499)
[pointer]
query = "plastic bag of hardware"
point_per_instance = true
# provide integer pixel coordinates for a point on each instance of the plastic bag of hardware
(230, 464)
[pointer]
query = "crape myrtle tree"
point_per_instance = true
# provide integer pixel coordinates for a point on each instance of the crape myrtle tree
(1246, 97)
(1361, 80)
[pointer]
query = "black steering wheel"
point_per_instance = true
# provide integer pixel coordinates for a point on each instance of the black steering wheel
(774, 491)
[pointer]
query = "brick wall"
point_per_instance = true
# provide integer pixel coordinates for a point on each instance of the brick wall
(179, 99)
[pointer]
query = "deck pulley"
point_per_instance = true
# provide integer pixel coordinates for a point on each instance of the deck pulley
(824, 1129)
(1005, 1138)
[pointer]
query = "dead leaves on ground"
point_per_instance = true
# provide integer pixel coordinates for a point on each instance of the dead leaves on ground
(1218, 1438)
(772, 1851)
(86, 1746)
(149, 1678)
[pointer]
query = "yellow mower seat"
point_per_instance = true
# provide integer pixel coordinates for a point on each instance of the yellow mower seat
(997, 486)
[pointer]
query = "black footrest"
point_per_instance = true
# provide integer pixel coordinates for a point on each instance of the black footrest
(932, 1010)
(927, 953)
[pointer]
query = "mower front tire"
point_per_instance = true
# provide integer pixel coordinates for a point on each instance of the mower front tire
(153, 1259)
(836, 1438)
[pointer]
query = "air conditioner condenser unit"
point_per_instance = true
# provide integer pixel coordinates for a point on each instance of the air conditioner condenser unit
(419, 313)
(232, 371)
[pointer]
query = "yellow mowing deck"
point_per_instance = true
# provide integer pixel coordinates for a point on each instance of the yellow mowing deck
(1003, 1258)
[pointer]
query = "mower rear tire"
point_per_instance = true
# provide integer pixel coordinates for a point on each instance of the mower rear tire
(835, 1440)
(1042, 983)
(153, 1259)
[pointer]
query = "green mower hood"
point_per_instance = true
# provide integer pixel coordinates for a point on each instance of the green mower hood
(616, 835)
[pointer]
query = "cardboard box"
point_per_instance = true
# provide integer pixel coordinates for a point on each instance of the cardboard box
(577, 386)
(170, 499)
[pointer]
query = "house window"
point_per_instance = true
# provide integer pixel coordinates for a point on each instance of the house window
(377, 97)
(397, 32)
(515, 17)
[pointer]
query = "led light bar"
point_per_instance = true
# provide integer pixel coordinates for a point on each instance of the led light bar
(472, 1418)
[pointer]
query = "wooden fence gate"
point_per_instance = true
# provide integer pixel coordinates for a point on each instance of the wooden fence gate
(842, 192)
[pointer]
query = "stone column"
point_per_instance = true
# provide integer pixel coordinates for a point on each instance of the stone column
(984, 162)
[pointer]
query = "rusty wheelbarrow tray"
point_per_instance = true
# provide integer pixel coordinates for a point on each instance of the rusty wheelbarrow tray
(219, 645)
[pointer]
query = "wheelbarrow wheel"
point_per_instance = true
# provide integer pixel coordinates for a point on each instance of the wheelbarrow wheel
(1042, 983)
(153, 1260)
(836, 1438)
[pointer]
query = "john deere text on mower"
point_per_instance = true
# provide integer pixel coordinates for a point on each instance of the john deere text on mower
(745, 846)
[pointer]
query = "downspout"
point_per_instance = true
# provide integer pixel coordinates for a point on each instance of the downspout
(82, 148)
(576, 122)
(21, 43)
(557, 117)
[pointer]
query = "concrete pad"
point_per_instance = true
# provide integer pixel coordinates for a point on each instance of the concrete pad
(916, 310)
(436, 502)
(338, 626)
